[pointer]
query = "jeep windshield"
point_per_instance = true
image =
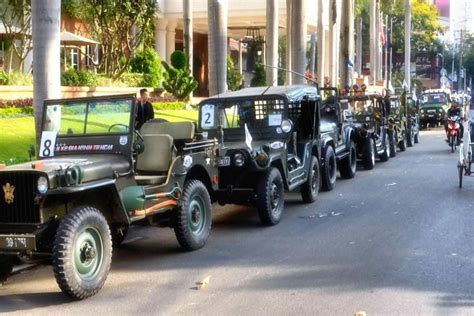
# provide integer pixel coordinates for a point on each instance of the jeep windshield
(438, 98)
(262, 117)
(85, 117)
(88, 125)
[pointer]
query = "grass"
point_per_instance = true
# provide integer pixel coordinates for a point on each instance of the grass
(17, 134)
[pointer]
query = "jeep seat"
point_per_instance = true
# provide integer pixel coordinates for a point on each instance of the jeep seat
(155, 161)
(179, 131)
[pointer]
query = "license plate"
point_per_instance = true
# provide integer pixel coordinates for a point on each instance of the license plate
(17, 242)
(224, 162)
(431, 115)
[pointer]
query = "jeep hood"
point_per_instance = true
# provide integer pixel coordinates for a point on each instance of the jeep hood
(94, 167)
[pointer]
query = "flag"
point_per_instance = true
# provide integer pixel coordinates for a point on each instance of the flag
(248, 137)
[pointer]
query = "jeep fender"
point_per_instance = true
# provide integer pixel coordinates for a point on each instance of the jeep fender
(200, 173)
(277, 163)
(349, 134)
(325, 142)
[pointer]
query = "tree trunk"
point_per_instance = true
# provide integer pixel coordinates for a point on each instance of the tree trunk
(217, 21)
(298, 41)
(46, 18)
(271, 50)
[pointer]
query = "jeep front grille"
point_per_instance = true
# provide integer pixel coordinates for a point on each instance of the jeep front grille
(19, 206)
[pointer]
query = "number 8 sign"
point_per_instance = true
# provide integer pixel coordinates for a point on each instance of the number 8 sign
(207, 116)
(48, 141)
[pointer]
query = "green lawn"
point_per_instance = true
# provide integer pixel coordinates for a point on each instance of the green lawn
(17, 134)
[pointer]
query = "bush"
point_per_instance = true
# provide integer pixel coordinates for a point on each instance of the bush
(19, 103)
(78, 78)
(147, 62)
(259, 78)
(3, 78)
(178, 81)
(176, 105)
(234, 79)
(12, 111)
(179, 59)
(135, 80)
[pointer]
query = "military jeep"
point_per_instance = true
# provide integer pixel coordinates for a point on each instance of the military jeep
(338, 140)
(367, 113)
(269, 142)
(397, 124)
(96, 177)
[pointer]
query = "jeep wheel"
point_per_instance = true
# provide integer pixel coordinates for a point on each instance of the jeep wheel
(393, 144)
(328, 172)
(270, 197)
(82, 252)
(194, 216)
(368, 154)
(118, 234)
(6, 267)
(348, 167)
(310, 189)
(385, 156)
(410, 138)
(403, 144)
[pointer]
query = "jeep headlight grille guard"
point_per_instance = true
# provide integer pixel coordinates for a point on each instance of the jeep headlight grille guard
(17, 197)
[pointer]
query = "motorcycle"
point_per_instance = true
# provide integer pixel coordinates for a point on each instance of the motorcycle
(453, 130)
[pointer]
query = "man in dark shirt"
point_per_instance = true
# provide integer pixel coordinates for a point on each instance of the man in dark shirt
(144, 109)
(455, 110)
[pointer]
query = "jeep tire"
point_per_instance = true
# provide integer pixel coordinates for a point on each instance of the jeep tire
(368, 154)
(270, 197)
(348, 166)
(393, 143)
(6, 267)
(193, 216)
(310, 189)
(329, 170)
(385, 156)
(82, 252)
(403, 144)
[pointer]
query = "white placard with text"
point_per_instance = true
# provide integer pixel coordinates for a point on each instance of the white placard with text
(48, 142)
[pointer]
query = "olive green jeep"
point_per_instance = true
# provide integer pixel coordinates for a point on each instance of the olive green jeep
(96, 177)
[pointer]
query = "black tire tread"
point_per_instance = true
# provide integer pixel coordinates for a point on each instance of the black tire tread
(181, 229)
(327, 183)
(263, 203)
(345, 168)
(306, 189)
(62, 257)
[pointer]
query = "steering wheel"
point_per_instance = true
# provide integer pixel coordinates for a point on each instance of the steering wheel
(138, 143)
(118, 124)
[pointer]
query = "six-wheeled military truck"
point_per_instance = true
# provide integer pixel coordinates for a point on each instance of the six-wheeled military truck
(367, 113)
(337, 139)
(96, 177)
(269, 142)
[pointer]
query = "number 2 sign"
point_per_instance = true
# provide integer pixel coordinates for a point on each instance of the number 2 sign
(48, 141)
(207, 116)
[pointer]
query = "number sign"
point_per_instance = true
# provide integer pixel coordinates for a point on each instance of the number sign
(48, 141)
(207, 116)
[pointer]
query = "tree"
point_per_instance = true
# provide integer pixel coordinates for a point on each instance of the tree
(234, 78)
(46, 18)
(425, 27)
(178, 79)
(16, 19)
(120, 26)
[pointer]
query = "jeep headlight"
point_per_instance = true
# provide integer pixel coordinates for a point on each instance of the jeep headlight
(286, 126)
(42, 185)
(238, 159)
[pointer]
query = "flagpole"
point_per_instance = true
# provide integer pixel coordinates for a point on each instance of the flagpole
(386, 50)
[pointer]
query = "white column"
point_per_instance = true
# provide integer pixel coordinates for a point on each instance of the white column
(217, 41)
(289, 29)
(271, 44)
(170, 39)
(321, 44)
(298, 41)
(240, 59)
(373, 35)
(160, 37)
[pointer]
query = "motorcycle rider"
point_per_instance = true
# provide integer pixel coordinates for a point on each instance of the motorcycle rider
(455, 110)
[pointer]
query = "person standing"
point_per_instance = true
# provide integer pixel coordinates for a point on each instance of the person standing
(144, 110)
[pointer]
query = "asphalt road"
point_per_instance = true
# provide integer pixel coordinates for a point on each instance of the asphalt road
(396, 240)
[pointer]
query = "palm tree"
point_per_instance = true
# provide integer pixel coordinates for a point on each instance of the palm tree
(217, 21)
(46, 18)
